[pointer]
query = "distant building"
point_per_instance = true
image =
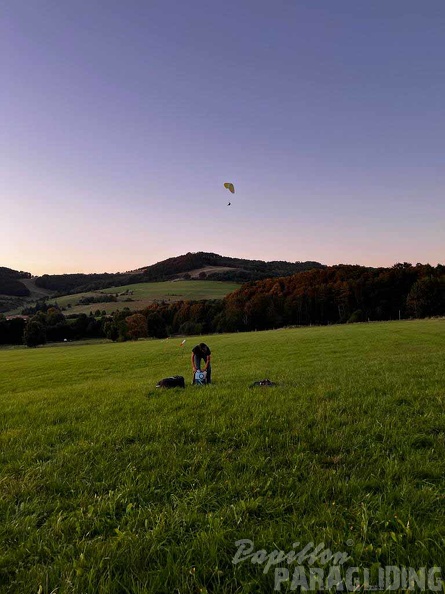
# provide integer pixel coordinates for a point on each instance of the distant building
(17, 316)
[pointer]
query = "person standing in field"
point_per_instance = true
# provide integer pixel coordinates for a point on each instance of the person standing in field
(201, 352)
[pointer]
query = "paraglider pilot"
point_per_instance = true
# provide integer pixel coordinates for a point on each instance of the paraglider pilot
(201, 352)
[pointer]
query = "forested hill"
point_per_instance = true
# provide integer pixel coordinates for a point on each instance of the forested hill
(10, 282)
(241, 269)
(232, 269)
(338, 294)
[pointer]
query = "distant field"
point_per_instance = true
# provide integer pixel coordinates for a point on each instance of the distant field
(146, 293)
(110, 486)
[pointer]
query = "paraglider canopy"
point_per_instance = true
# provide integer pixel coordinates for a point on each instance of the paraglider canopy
(230, 187)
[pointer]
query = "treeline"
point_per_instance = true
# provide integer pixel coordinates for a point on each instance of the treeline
(10, 282)
(87, 300)
(53, 326)
(338, 294)
(79, 283)
(10, 273)
(157, 321)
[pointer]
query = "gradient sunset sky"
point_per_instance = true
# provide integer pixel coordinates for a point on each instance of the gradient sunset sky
(121, 121)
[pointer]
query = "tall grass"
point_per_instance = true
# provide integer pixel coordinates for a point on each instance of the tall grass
(109, 485)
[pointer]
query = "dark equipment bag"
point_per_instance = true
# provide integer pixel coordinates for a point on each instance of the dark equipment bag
(175, 381)
(263, 383)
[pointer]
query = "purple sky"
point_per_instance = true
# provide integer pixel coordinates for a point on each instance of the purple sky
(121, 120)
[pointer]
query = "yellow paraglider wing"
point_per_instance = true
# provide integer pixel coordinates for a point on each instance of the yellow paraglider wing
(230, 187)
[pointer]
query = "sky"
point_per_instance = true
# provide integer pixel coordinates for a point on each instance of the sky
(121, 121)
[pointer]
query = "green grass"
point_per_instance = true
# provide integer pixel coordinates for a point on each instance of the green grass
(109, 485)
(146, 293)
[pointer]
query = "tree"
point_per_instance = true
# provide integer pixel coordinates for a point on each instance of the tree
(426, 298)
(355, 317)
(137, 326)
(34, 334)
(190, 328)
(111, 331)
(54, 316)
(80, 326)
(156, 326)
(11, 331)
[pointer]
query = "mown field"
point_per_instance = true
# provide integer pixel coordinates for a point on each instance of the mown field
(108, 485)
(145, 293)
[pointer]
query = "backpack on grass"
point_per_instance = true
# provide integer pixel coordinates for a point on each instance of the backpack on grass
(175, 381)
(263, 383)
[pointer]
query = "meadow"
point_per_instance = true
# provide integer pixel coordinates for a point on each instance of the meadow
(143, 294)
(108, 485)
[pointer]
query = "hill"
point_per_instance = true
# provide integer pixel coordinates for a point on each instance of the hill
(10, 283)
(234, 269)
(188, 265)
(13, 289)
